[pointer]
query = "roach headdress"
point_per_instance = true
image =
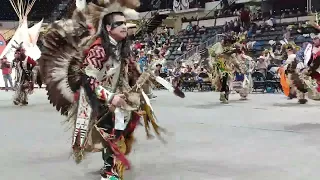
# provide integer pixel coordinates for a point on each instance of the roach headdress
(96, 11)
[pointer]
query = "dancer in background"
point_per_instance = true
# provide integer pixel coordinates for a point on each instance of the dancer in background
(297, 85)
(25, 85)
(226, 60)
(243, 78)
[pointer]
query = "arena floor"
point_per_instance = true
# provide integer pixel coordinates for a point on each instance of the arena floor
(265, 138)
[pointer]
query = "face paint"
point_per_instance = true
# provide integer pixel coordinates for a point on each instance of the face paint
(118, 28)
(117, 24)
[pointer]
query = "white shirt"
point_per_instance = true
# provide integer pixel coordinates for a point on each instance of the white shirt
(290, 59)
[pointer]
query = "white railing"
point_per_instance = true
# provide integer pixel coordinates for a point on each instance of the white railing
(206, 44)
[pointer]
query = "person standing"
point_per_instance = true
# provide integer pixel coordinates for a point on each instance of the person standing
(6, 72)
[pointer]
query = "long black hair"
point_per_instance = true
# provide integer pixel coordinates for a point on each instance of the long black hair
(104, 35)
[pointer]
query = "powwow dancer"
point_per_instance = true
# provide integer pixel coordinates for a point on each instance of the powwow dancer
(243, 79)
(24, 66)
(224, 64)
(87, 79)
(311, 63)
(297, 85)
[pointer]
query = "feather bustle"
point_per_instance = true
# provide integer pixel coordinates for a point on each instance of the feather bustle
(60, 62)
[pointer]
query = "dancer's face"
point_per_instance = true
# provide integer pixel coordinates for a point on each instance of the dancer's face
(316, 42)
(289, 51)
(117, 28)
(18, 53)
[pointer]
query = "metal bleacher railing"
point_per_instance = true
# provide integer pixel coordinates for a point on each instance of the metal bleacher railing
(197, 49)
(207, 43)
(145, 21)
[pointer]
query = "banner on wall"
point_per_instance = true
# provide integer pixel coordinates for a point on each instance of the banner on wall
(180, 5)
(3, 43)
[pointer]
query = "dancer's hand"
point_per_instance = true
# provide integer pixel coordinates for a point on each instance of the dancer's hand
(119, 100)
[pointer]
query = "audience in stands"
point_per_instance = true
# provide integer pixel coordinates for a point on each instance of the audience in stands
(245, 17)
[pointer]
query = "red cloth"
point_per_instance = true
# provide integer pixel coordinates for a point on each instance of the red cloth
(31, 61)
(138, 46)
(6, 71)
(245, 15)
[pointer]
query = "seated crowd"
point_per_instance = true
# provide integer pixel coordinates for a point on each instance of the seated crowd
(262, 39)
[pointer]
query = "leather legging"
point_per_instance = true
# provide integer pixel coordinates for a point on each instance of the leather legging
(224, 83)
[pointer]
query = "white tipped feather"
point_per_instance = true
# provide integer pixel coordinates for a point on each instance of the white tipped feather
(65, 90)
(165, 83)
(146, 99)
(81, 4)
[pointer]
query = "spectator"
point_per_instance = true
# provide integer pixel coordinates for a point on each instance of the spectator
(165, 30)
(189, 27)
(287, 34)
(250, 32)
(138, 45)
(157, 71)
(231, 25)
(270, 24)
(6, 72)
(182, 47)
(171, 32)
(245, 17)
(262, 65)
(150, 43)
(236, 26)
(143, 61)
(189, 45)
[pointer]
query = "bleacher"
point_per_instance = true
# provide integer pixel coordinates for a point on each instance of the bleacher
(262, 39)
(196, 39)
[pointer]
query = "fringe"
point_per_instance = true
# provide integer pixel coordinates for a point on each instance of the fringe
(129, 142)
(121, 143)
(298, 82)
(149, 118)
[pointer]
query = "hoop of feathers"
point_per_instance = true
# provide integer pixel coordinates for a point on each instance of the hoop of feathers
(61, 61)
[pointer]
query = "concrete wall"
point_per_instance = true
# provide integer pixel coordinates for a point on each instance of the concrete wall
(8, 24)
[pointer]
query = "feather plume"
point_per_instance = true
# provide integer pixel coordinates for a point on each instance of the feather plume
(169, 86)
(95, 12)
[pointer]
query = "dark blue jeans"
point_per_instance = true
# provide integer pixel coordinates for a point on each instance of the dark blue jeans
(6, 78)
